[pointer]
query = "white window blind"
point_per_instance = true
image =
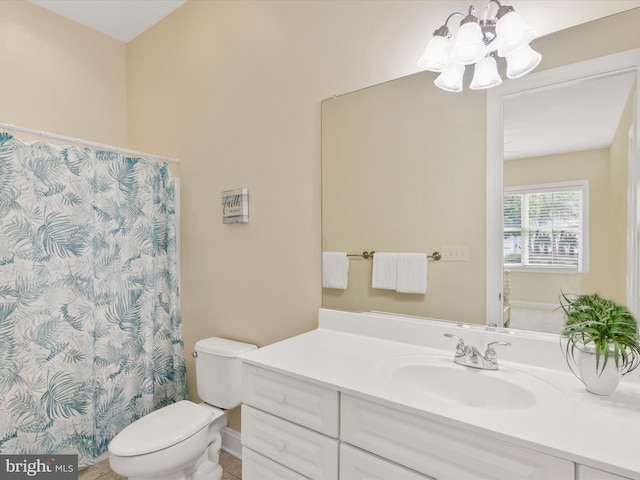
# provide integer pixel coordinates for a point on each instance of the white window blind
(546, 226)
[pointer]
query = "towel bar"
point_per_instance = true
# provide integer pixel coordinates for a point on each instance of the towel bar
(367, 255)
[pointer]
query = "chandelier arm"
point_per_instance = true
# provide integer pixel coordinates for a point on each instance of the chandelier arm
(454, 13)
(486, 9)
(470, 17)
(444, 31)
(502, 10)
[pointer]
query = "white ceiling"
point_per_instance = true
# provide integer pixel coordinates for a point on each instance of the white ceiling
(126, 19)
(572, 117)
(120, 19)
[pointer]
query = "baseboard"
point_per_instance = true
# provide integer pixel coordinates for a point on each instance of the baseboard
(103, 456)
(231, 442)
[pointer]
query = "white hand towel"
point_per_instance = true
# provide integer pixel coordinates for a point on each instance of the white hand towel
(385, 269)
(335, 270)
(412, 273)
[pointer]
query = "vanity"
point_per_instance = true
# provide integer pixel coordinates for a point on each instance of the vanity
(378, 396)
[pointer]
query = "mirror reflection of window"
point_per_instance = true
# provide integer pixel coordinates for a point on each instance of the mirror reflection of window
(546, 227)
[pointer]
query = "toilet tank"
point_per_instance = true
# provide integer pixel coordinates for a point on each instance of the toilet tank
(218, 375)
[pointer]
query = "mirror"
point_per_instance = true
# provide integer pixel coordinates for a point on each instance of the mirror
(368, 137)
(581, 136)
(440, 141)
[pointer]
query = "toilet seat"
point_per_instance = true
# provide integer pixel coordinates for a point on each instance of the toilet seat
(161, 429)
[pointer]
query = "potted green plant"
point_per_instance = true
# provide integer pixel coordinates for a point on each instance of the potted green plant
(601, 340)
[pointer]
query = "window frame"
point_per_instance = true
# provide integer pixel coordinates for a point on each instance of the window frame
(583, 251)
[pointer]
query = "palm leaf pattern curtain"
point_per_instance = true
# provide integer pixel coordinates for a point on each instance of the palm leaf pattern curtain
(90, 326)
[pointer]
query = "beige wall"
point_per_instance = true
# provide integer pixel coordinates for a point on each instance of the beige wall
(61, 77)
(233, 90)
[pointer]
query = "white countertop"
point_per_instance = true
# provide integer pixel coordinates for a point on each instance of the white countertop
(348, 350)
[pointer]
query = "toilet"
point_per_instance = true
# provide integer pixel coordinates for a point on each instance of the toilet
(182, 441)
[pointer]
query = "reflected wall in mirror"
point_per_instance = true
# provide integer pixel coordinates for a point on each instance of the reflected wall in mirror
(404, 169)
(557, 239)
(402, 164)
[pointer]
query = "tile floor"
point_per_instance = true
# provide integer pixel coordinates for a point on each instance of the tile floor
(231, 466)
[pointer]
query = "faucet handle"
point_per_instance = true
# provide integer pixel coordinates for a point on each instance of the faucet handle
(460, 348)
(490, 354)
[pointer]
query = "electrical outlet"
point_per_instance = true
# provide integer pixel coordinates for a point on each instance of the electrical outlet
(455, 254)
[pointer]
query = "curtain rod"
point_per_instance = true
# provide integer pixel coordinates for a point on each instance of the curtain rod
(40, 133)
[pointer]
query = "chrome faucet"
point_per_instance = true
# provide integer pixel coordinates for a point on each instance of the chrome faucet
(469, 356)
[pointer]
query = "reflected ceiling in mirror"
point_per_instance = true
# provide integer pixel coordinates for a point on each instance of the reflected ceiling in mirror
(578, 115)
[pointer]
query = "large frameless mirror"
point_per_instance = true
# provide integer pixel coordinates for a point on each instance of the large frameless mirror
(407, 167)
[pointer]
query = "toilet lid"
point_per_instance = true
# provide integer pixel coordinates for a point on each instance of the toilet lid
(161, 429)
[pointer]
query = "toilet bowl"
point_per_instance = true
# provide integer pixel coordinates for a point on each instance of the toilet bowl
(170, 443)
(182, 441)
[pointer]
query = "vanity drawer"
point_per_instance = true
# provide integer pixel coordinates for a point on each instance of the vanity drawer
(307, 452)
(358, 465)
(301, 402)
(257, 467)
(588, 473)
(439, 450)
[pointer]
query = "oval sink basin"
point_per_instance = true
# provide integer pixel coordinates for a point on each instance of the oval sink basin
(441, 379)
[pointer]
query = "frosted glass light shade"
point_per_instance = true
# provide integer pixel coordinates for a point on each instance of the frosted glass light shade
(436, 55)
(469, 47)
(522, 61)
(451, 78)
(512, 33)
(485, 74)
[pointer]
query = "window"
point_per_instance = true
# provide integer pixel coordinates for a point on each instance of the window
(546, 227)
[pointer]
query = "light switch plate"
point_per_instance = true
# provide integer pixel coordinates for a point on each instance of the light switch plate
(455, 254)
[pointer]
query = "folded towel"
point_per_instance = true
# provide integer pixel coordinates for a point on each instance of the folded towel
(335, 270)
(385, 268)
(412, 273)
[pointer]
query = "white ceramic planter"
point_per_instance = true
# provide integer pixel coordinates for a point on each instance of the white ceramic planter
(598, 380)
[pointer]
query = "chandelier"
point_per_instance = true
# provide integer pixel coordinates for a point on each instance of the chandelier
(477, 42)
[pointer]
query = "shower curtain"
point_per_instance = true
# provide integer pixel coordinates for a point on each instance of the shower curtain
(90, 326)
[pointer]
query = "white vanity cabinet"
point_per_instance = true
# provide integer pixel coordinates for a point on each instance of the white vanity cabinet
(321, 405)
(440, 450)
(293, 429)
(291, 423)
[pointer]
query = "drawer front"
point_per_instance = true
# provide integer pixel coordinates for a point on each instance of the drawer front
(257, 467)
(296, 400)
(307, 452)
(358, 465)
(588, 473)
(439, 450)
